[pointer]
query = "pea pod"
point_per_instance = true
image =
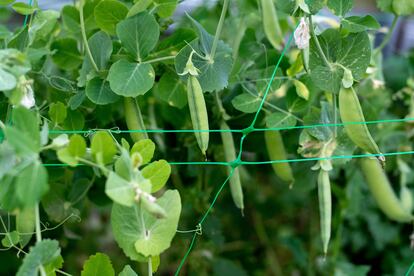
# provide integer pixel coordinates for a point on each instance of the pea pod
(325, 207)
(276, 151)
(230, 155)
(271, 23)
(350, 111)
(382, 191)
(406, 198)
(133, 118)
(25, 225)
(198, 112)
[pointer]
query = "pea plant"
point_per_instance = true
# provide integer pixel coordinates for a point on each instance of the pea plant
(121, 124)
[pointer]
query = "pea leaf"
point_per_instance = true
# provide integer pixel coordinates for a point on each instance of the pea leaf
(340, 7)
(31, 184)
(128, 271)
(246, 103)
(136, 241)
(6, 2)
(315, 5)
(403, 7)
(138, 7)
(356, 24)
(74, 120)
(301, 89)
(352, 52)
(7, 80)
(139, 34)
(279, 119)
(23, 8)
(171, 90)
(57, 112)
(214, 73)
(165, 8)
(108, 14)
(98, 264)
(66, 54)
(131, 79)
(119, 190)
(10, 239)
(43, 253)
(145, 148)
(76, 148)
(158, 173)
(103, 147)
(43, 24)
(99, 92)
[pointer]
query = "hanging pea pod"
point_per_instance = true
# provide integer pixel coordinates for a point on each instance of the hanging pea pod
(271, 24)
(382, 191)
(351, 112)
(230, 155)
(325, 208)
(25, 225)
(133, 118)
(276, 151)
(198, 112)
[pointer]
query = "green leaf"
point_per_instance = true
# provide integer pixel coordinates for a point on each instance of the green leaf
(99, 92)
(165, 8)
(128, 271)
(6, 2)
(98, 265)
(356, 24)
(101, 48)
(171, 90)
(71, 20)
(315, 5)
(74, 120)
(246, 103)
(279, 119)
(103, 147)
(43, 24)
(120, 190)
(139, 34)
(108, 14)
(158, 173)
(10, 239)
(139, 6)
(23, 8)
(340, 7)
(43, 253)
(131, 79)
(352, 52)
(123, 165)
(7, 80)
(31, 184)
(57, 112)
(66, 54)
(136, 241)
(403, 7)
(76, 148)
(145, 148)
(213, 74)
(21, 142)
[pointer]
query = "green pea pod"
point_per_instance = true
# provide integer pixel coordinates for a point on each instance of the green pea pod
(276, 151)
(133, 118)
(271, 24)
(153, 208)
(350, 111)
(325, 208)
(25, 225)
(382, 191)
(198, 112)
(230, 155)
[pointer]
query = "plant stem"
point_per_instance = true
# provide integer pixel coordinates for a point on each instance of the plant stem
(159, 59)
(321, 53)
(85, 39)
(387, 38)
(239, 37)
(335, 115)
(149, 266)
(39, 235)
(219, 29)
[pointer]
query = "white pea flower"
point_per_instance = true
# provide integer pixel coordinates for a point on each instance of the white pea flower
(302, 35)
(28, 99)
(60, 141)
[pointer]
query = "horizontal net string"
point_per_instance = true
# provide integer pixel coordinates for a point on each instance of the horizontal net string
(118, 131)
(202, 163)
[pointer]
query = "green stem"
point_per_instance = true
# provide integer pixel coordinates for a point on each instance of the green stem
(39, 235)
(321, 53)
(219, 29)
(85, 39)
(334, 100)
(159, 59)
(237, 40)
(388, 36)
(149, 266)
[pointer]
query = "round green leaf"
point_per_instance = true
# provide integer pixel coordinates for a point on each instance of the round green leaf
(158, 173)
(98, 264)
(31, 184)
(66, 54)
(103, 147)
(99, 92)
(171, 90)
(23, 8)
(7, 80)
(131, 79)
(120, 190)
(57, 112)
(145, 148)
(108, 13)
(246, 103)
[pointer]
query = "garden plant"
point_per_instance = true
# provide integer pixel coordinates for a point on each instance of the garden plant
(247, 137)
